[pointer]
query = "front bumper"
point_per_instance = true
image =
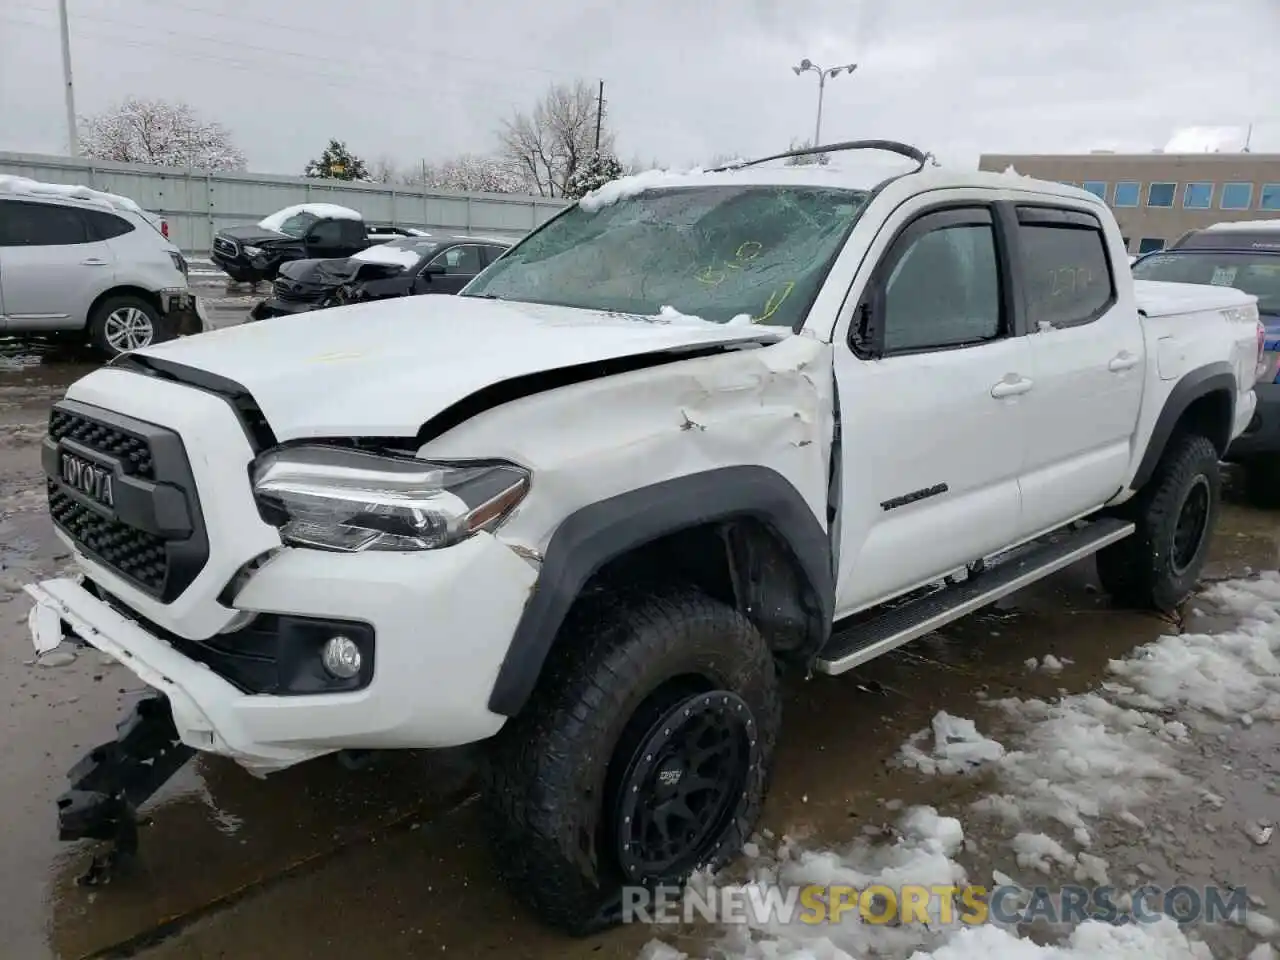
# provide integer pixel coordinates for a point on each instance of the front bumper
(1262, 435)
(272, 307)
(441, 620)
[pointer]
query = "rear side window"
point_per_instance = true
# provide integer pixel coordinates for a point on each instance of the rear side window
(1065, 264)
(105, 226)
(351, 232)
(25, 224)
(492, 253)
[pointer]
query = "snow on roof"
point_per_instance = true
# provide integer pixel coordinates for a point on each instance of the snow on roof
(1247, 226)
(388, 255)
(69, 191)
(323, 210)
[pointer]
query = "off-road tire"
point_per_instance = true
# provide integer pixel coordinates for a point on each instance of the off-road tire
(1262, 480)
(550, 771)
(1139, 570)
(161, 327)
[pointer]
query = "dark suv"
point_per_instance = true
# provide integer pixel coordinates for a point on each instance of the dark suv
(1245, 256)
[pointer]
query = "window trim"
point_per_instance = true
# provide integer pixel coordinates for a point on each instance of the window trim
(1052, 215)
(1186, 189)
(1104, 184)
(1173, 195)
(1262, 195)
(1235, 183)
(955, 214)
(1137, 200)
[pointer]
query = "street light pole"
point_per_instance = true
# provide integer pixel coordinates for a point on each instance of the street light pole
(808, 66)
(73, 138)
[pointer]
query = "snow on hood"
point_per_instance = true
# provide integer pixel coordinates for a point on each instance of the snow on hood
(323, 210)
(35, 188)
(388, 256)
(385, 368)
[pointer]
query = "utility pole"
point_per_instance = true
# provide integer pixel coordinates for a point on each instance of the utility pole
(807, 65)
(599, 114)
(73, 137)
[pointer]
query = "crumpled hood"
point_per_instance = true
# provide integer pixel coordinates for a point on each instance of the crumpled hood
(252, 233)
(385, 368)
(330, 272)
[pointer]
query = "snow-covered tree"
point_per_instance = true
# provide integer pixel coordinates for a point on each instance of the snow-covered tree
(598, 170)
(160, 132)
(548, 145)
(383, 170)
(337, 163)
(822, 159)
(468, 173)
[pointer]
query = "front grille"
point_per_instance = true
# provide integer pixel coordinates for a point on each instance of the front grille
(137, 555)
(130, 449)
(228, 248)
(289, 290)
(144, 522)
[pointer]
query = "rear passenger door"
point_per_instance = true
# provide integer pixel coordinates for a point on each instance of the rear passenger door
(52, 265)
(1087, 364)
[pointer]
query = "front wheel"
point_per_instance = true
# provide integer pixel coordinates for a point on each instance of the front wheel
(1158, 566)
(642, 756)
(124, 323)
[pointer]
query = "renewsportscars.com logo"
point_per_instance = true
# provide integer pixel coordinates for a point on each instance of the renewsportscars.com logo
(760, 904)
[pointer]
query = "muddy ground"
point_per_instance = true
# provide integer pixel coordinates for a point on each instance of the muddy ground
(389, 861)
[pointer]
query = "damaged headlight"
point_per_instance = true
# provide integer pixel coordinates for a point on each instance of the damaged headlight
(250, 251)
(340, 499)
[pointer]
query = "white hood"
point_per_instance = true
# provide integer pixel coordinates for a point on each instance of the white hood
(385, 368)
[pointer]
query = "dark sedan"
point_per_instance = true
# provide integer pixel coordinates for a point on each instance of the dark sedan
(405, 267)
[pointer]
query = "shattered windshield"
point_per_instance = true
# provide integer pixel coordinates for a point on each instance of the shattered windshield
(1255, 273)
(715, 252)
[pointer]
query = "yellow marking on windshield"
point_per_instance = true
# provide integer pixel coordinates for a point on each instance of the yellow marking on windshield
(775, 301)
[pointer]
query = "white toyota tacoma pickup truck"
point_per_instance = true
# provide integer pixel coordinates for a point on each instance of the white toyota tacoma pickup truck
(695, 430)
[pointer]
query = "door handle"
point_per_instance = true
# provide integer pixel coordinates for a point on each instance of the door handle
(94, 262)
(1122, 361)
(1010, 386)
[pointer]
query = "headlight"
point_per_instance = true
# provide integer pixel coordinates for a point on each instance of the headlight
(339, 499)
(252, 251)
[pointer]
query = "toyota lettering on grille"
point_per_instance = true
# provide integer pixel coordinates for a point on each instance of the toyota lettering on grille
(91, 480)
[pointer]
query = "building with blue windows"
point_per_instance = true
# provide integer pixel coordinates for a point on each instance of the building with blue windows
(1158, 197)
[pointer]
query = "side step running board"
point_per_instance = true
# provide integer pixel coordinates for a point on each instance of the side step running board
(886, 629)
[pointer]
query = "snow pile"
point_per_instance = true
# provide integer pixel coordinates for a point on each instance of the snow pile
(324, 211)
(36, 188)
(388, 255)
(957, 747)
(632, 185)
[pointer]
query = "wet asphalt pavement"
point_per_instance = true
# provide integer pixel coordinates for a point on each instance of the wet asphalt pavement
(319, 861)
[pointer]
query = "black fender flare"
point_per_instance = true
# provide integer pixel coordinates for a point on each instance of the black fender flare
(1218, 377)
(592, 536)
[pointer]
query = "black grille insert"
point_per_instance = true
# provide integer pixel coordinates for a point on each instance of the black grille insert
(133, 451)
(148, 529)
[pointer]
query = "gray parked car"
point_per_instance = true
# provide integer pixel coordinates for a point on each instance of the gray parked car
(84, 267)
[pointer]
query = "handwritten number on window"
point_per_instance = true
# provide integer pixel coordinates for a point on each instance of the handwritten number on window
(713, 276)
(775, 300)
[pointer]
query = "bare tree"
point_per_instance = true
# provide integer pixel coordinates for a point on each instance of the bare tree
(160, 132)
(383, 170)
(546, 147)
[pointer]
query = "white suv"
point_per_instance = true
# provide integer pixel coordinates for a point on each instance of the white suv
(76, 261)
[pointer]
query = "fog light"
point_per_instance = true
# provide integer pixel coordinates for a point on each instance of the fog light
(341, 657)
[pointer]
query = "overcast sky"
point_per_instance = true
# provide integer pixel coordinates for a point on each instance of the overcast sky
(685, 80)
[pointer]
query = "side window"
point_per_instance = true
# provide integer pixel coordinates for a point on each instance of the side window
(326, 233)
(492, 252)
(944, 289)
(1065, 263)
(351, 232)
(461, 261)
(105, 226)
(41, 225)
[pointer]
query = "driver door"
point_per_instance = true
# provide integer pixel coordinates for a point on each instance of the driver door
(451, 270)
(931, 377)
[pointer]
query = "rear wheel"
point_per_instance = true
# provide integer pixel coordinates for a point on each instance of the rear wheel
(124, 323)
(1175, 513)
(642, 756)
